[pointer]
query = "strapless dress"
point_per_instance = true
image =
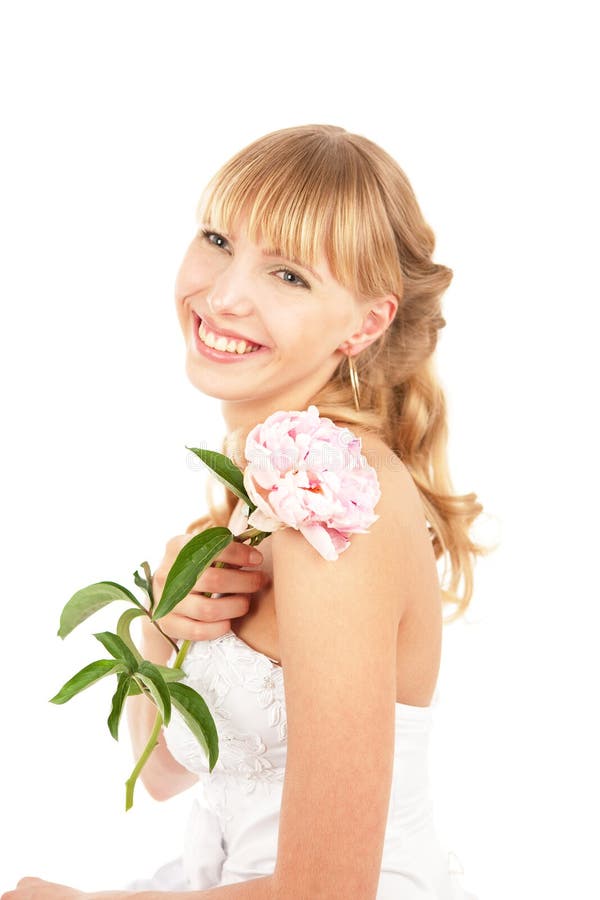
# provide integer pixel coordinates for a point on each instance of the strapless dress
(233, 823)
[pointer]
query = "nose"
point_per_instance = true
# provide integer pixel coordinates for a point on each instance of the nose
(229, 293)
(220, 304)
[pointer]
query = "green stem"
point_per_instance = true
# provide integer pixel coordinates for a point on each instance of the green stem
(157, 626)
(152, 743)
(181, 654)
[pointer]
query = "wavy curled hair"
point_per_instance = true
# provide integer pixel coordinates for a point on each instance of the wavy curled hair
(316, 189)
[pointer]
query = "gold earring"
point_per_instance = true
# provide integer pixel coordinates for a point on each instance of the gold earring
(354, 381)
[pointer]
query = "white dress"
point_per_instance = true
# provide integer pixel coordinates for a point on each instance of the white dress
(233, 824)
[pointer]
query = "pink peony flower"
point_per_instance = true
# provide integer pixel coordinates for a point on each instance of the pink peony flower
(307, 473)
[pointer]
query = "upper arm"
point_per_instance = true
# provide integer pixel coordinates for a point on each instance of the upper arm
(337, 625)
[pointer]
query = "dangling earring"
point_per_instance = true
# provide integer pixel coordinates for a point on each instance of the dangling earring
(354, 381)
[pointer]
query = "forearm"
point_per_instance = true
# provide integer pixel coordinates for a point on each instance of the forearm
(162, 775)
(254, 889)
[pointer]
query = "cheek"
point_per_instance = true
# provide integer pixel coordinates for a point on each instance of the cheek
(193, 273)
(309, 343)
(185, 280)
(181, 304)
(321, 331)
(181, 287)
(187, 284)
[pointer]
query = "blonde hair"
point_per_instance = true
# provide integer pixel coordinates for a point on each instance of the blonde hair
(316, 189)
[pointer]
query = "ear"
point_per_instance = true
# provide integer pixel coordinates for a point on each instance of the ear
(379, 316)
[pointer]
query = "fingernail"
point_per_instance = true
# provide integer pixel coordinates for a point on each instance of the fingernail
(255, 556)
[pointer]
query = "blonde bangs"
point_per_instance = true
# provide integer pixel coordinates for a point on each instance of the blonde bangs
(308, 198)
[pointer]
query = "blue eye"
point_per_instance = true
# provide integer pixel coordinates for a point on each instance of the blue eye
(207, 235)
(300, 282)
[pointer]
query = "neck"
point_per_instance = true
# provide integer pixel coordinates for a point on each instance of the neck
(241, 416)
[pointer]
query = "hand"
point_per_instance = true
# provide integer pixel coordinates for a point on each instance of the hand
(38, 889)
(198, 618)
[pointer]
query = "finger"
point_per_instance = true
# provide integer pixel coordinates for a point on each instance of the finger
(236, 552)
(187, 629)
(239, 554)
(230, 581)
(205, 609)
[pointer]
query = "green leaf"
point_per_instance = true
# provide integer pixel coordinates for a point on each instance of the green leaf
(118, 648)
(88, 601)
(123, 632)
(170, 674)
(226, 471)
(167, 673)
(198, 718)
(189, 564)
(117, 704)
(145, 583)
(87, 676)
(150, 676)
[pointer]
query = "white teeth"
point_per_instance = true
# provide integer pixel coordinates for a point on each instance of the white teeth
(225, 344)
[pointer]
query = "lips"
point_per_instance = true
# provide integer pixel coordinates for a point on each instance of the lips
(221, 332)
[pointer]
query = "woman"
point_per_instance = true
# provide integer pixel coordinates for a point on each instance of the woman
(311, 281)
(350, 288)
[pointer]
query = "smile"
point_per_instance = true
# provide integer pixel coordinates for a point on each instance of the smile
(221, 348)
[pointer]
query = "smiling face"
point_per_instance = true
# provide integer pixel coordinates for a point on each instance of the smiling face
(304, 321)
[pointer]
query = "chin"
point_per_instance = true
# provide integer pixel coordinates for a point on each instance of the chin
(207, 384)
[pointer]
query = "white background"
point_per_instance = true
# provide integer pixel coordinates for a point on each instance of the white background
(114, 116)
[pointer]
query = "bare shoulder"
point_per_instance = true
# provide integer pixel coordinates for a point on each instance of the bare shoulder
(402, 520)
(394, 476)
(389, 565)
(403, 515)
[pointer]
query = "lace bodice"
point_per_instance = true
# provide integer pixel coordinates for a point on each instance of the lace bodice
(244, 691)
